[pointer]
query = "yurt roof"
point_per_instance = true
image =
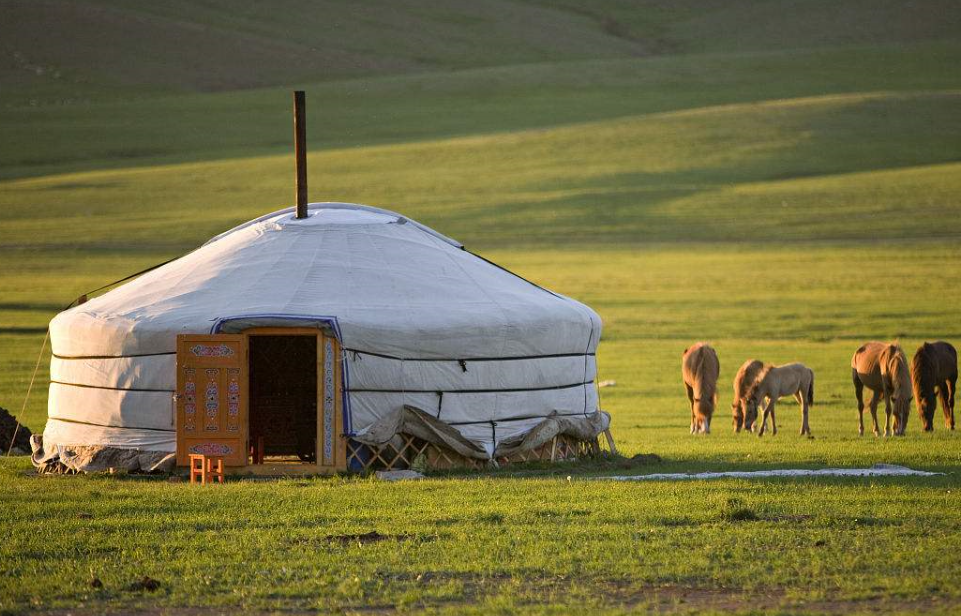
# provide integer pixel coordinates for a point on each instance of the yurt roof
(391, 284)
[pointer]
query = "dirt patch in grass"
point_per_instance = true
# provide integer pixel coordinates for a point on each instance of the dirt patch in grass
(373, 537)
(145, 583)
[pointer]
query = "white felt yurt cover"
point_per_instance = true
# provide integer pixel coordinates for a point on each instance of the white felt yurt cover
(417, 315)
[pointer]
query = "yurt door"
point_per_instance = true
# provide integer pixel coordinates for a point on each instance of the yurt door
(211, 397)
(294, 405)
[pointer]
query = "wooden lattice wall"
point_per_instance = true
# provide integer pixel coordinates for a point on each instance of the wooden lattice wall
(409, 452)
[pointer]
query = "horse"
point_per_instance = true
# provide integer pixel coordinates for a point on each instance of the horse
(883, 369)
(935, 367)
(700, 369)
(745, 382)
(774, 382)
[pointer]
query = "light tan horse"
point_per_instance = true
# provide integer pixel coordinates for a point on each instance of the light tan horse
(700, 369)
(778, 381)
(882, 368)
(745, 382)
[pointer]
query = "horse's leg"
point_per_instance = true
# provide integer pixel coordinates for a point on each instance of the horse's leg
(762, 416)
(769, 410)
(858, 393)
(690, 398)
(947, 402)
(888, 409)
(952, 384)
(873, 405)
(804, 411)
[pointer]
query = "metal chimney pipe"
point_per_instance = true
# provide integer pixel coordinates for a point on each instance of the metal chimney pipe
(300, 151)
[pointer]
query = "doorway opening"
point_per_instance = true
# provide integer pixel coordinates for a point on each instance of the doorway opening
(283, 398)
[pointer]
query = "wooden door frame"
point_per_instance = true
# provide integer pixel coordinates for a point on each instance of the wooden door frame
(337, 460)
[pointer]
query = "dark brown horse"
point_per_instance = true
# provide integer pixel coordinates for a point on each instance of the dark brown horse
(883, 369)
(935, 367)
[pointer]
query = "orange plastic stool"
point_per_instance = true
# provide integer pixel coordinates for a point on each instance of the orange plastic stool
(204, 467)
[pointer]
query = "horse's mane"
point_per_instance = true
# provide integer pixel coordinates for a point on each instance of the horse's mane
(761, 375)
(896, 361)
(748, 386)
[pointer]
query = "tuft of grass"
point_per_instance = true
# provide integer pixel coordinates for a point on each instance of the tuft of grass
(735, 510)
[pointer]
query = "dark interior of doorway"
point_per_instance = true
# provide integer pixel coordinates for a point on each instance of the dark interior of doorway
(283, 398)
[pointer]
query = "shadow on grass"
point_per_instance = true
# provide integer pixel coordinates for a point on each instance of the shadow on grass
(595, 468)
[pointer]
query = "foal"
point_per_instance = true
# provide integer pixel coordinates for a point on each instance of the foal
(778, 381)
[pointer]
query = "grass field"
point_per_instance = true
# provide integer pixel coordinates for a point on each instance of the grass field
(779, 178)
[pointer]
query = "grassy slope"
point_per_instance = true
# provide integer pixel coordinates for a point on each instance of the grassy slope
(67, 53)
(638, 177)
(773, 202)
(358, 112)
(59, 52)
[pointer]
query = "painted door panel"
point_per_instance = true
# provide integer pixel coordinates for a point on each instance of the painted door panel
(212, 396)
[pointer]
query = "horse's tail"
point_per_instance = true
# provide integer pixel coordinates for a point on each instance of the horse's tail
(811, 389)
(704, 384)
(699, 372)
(858, 385)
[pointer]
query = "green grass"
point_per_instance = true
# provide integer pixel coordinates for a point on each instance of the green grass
(781, 179)
(471, 545)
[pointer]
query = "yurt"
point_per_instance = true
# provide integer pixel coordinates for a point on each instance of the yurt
(352, 338)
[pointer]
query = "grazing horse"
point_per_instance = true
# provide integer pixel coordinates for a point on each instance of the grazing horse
(935, 366)
(776, 382)
(745, 382)
(883, 369)
(700, 369)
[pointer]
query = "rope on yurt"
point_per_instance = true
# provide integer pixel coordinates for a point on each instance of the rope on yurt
(597, 383)
(80, 299)
(124, 279)
(26, 398)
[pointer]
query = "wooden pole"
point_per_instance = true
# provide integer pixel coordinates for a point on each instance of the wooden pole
(610, 442)
(300, 151)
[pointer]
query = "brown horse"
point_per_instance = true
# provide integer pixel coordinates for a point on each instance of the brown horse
(883, 369)
(776, 382)
(745, 382)
(700, 369)
(935, 367)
